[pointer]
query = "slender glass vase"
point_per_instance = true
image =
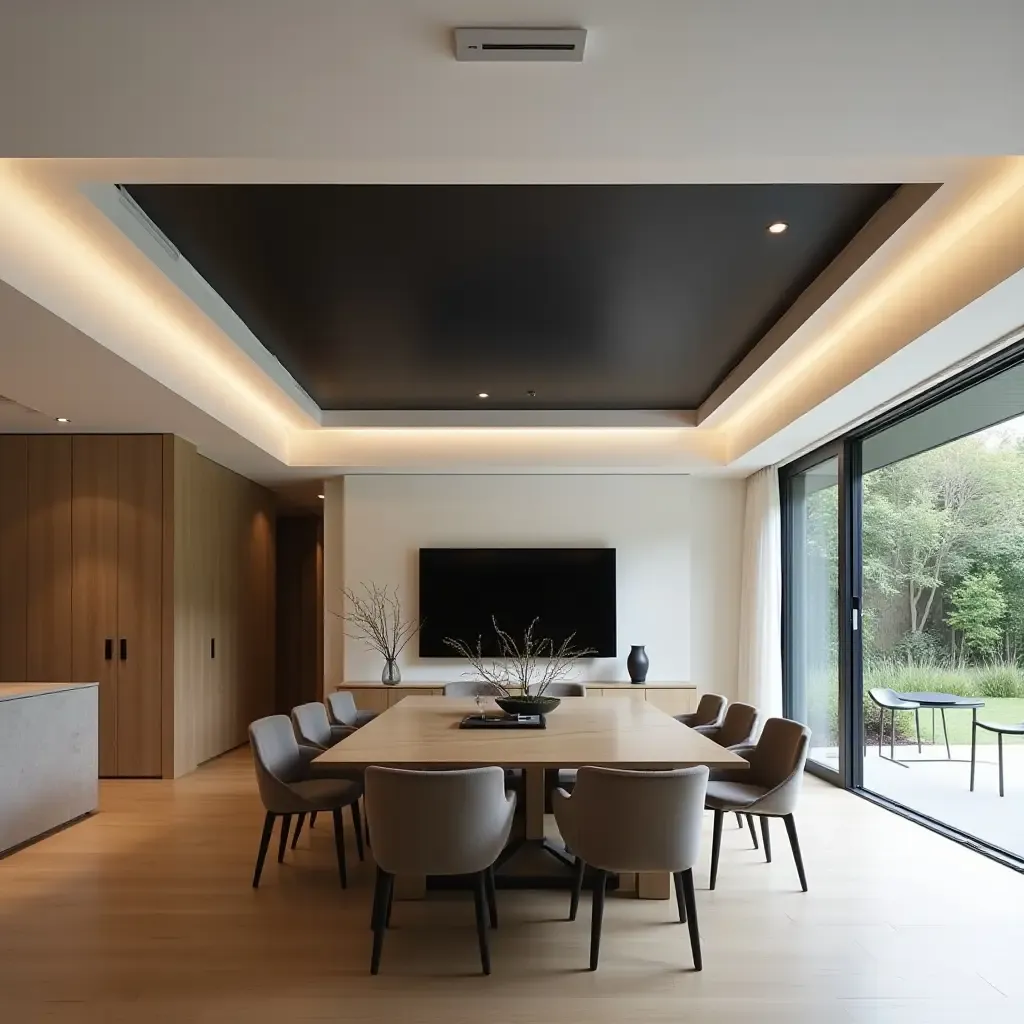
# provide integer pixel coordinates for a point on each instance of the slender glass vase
(391, 676)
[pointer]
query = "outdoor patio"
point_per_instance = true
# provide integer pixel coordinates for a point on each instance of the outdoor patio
(940, 789)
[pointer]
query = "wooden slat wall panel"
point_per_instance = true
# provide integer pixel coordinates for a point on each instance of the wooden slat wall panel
(94, 585)
(13, 557)
(224, 537)
(48, 645)
(139, 610)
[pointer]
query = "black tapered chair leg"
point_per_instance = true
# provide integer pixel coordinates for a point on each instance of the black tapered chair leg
(286, 824)
(479, 903)
(492, 896)
(298, 829)
(597, 916)
(268, 828)
(794, 842)
(312, 820)
(753, 832)
(691, 919)
(767, 837)
(366, 826)
(974, 744)
(999, 740)
(677, 879)
(579, 869)
(917, 727)
(381, 896)
(739, 820)
(339, 845)
(945, 735)
(357, 825)
(716, 846)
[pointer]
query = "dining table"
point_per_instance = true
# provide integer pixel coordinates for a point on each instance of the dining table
(421, 732)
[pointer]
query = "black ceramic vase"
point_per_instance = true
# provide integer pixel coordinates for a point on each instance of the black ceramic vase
(637, 664)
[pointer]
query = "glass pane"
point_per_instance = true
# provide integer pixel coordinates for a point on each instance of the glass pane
(943, 638)
(814, 604)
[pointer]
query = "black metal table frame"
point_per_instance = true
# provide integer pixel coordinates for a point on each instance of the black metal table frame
(934, 705)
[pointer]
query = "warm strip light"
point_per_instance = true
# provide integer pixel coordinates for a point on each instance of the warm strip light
(42, 229)
(920, 261)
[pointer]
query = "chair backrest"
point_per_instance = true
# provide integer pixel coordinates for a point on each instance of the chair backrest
(780, 753)
(635, 821)
(710, 709)
(885, 697)
(471, 688)
(312, 725)
(342, 706)
(437, 822)
(275, 753)
(738, 726)
(566, 690)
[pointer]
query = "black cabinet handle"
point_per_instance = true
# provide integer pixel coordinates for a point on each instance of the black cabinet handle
(124, 649)
(213, 647)
(108, 648)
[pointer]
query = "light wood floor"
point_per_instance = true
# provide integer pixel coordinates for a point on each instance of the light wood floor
(144, 913)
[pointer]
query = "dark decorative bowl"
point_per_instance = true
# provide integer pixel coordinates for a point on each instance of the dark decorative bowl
(527, 705)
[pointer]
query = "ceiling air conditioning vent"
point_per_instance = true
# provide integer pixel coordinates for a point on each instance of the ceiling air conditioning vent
(520, 43)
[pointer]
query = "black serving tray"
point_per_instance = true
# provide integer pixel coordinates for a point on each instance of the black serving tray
(503, 722)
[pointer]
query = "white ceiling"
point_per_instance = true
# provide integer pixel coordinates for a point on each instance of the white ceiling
(322, 90)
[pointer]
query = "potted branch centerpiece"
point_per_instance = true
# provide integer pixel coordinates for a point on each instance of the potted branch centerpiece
(375, 618)
(522, 672)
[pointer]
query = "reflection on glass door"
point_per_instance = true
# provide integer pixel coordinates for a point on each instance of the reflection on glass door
(813, 607)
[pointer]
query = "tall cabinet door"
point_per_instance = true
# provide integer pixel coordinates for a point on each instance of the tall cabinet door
(94, 583)
(139, 604)
(48, 644)
(13, 557)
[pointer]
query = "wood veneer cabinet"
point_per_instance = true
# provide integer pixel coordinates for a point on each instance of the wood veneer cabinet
(134, 562)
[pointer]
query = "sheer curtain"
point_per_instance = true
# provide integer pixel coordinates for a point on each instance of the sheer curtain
(760, 640)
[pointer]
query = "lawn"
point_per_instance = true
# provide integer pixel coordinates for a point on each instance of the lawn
(958, 723)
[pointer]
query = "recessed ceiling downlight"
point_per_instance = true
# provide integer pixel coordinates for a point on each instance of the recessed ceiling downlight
(63, 419)
(777, 228)
(320, 496)
(483, 394)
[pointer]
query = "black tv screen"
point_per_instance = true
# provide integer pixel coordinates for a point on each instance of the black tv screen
(568, 590)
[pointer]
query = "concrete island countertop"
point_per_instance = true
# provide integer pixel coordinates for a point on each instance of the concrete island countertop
(11, 691)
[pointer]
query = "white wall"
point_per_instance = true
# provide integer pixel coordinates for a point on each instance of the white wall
(677, 541)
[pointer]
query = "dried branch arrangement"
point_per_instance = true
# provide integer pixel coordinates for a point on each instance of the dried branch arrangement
(525, 669)
(375, 617)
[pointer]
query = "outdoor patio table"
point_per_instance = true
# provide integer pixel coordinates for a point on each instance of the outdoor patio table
(942, 701)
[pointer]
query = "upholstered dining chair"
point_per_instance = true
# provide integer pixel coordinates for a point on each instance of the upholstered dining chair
(341, 707)
(315, 733)
(710, 710)
(471, 688)
(564, 689)
(617, 820)
(769, 788)
(286, 789)
(437, 823)
(738, 726)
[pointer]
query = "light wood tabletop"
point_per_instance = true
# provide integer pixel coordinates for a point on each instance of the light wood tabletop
(606, 731)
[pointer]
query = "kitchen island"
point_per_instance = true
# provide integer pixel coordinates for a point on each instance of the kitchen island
(49, 758)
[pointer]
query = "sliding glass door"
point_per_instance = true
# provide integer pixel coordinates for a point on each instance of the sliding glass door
(816, 650)
(903, 604)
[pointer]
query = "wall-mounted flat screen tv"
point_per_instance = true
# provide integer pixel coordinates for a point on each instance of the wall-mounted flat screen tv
(568, 590)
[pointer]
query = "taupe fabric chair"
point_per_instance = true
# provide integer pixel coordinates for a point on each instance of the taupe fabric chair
(710, 710)
(314, 730)
(341, 707)
(629, 821)
(738, 726)
(282, 773)
(769, 788)
(566, 690)
(471, 688)
(437, 823)
(313, 727)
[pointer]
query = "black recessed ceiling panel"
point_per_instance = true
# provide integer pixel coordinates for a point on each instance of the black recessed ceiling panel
(593, 296)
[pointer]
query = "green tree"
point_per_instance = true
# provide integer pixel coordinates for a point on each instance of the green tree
(978, 610)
